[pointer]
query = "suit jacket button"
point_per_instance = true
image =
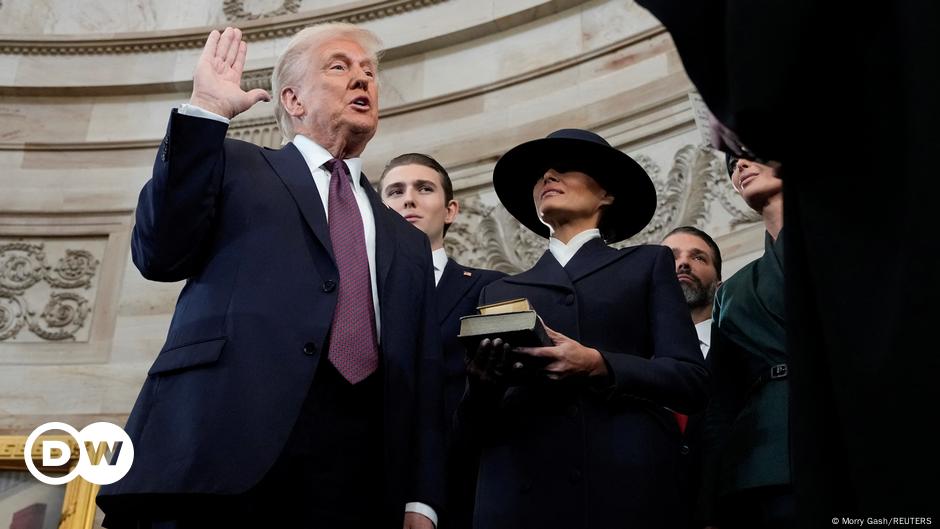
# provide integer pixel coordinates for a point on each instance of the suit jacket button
(684, 450)
(572, 410)
(310, 348)
(329, 285)
(575, 476)
(569, 299)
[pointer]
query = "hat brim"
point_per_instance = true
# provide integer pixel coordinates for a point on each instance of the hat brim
(517, 171)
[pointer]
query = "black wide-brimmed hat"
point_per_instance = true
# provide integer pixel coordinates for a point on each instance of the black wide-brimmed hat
(576, 150)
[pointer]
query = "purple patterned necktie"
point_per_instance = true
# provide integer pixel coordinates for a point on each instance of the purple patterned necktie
(353, 346)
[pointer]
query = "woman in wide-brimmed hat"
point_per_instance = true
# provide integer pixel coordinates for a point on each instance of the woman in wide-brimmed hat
(588, 441)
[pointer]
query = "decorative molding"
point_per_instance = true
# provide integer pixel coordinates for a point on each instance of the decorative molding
(13, 452)
(488, 237)
(22, 266)
(261, 127)
(259, 130)
(262, 78)
(275, 27)
(235, 10)
(81, 146)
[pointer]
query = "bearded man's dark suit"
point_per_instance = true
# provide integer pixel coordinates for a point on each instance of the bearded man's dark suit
(458, 293)
(585, 453)
(246, 228)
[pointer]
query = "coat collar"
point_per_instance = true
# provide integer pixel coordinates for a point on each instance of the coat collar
(547, 272)
(593, 256)
(452, 288)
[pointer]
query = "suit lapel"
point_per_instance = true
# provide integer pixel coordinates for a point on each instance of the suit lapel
(453, 286)
(594, 255)
(384, 236)
(291, 168)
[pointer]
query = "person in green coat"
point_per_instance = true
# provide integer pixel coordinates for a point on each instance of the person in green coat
(746, 466)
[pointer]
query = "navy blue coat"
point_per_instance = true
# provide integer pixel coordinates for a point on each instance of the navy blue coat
(457, 294)
(245, 227)
(583, 453)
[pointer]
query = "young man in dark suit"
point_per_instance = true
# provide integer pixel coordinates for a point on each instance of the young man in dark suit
(419, 188)
(300, 382)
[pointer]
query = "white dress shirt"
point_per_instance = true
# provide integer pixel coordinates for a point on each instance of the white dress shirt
(316, 156)
(564, 252)
(704, 330)
(439, 257)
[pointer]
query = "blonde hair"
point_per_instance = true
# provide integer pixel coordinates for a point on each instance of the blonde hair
(291, 67)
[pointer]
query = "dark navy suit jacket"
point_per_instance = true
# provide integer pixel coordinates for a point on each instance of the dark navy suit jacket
(582, 453)
(245, 227)
(458, 292)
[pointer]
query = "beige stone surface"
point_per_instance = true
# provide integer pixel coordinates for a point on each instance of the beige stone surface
(464, 81)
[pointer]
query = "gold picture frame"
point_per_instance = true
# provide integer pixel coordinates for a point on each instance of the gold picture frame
(78, 504)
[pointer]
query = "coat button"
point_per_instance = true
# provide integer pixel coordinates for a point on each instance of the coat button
(569, 299)
(310, 348)
(684, 450)
(575, 476)
(572, 410)
(329, 285)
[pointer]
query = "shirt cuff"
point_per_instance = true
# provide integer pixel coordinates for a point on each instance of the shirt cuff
(421, 508)
(192, 110)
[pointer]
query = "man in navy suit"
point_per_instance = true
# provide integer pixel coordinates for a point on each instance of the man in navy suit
(419, 188)
(300, 382)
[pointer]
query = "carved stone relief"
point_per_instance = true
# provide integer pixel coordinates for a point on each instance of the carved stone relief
(235, 10)
(487, 236)
(696, 180)
(52, 301)
(691, 192)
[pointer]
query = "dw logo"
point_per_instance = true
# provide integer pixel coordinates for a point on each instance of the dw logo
(99, 462)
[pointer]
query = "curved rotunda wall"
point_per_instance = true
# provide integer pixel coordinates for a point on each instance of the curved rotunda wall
(84, 99)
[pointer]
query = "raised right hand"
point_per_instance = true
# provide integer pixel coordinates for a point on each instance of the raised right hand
(218, 74)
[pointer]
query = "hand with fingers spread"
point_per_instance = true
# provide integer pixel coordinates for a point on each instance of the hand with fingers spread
(490, 362)
(567, 357)
(218, 74)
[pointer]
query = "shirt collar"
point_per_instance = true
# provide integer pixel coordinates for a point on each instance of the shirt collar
(439, 257)
(316, 156)
(564, 252)
(704, 331)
